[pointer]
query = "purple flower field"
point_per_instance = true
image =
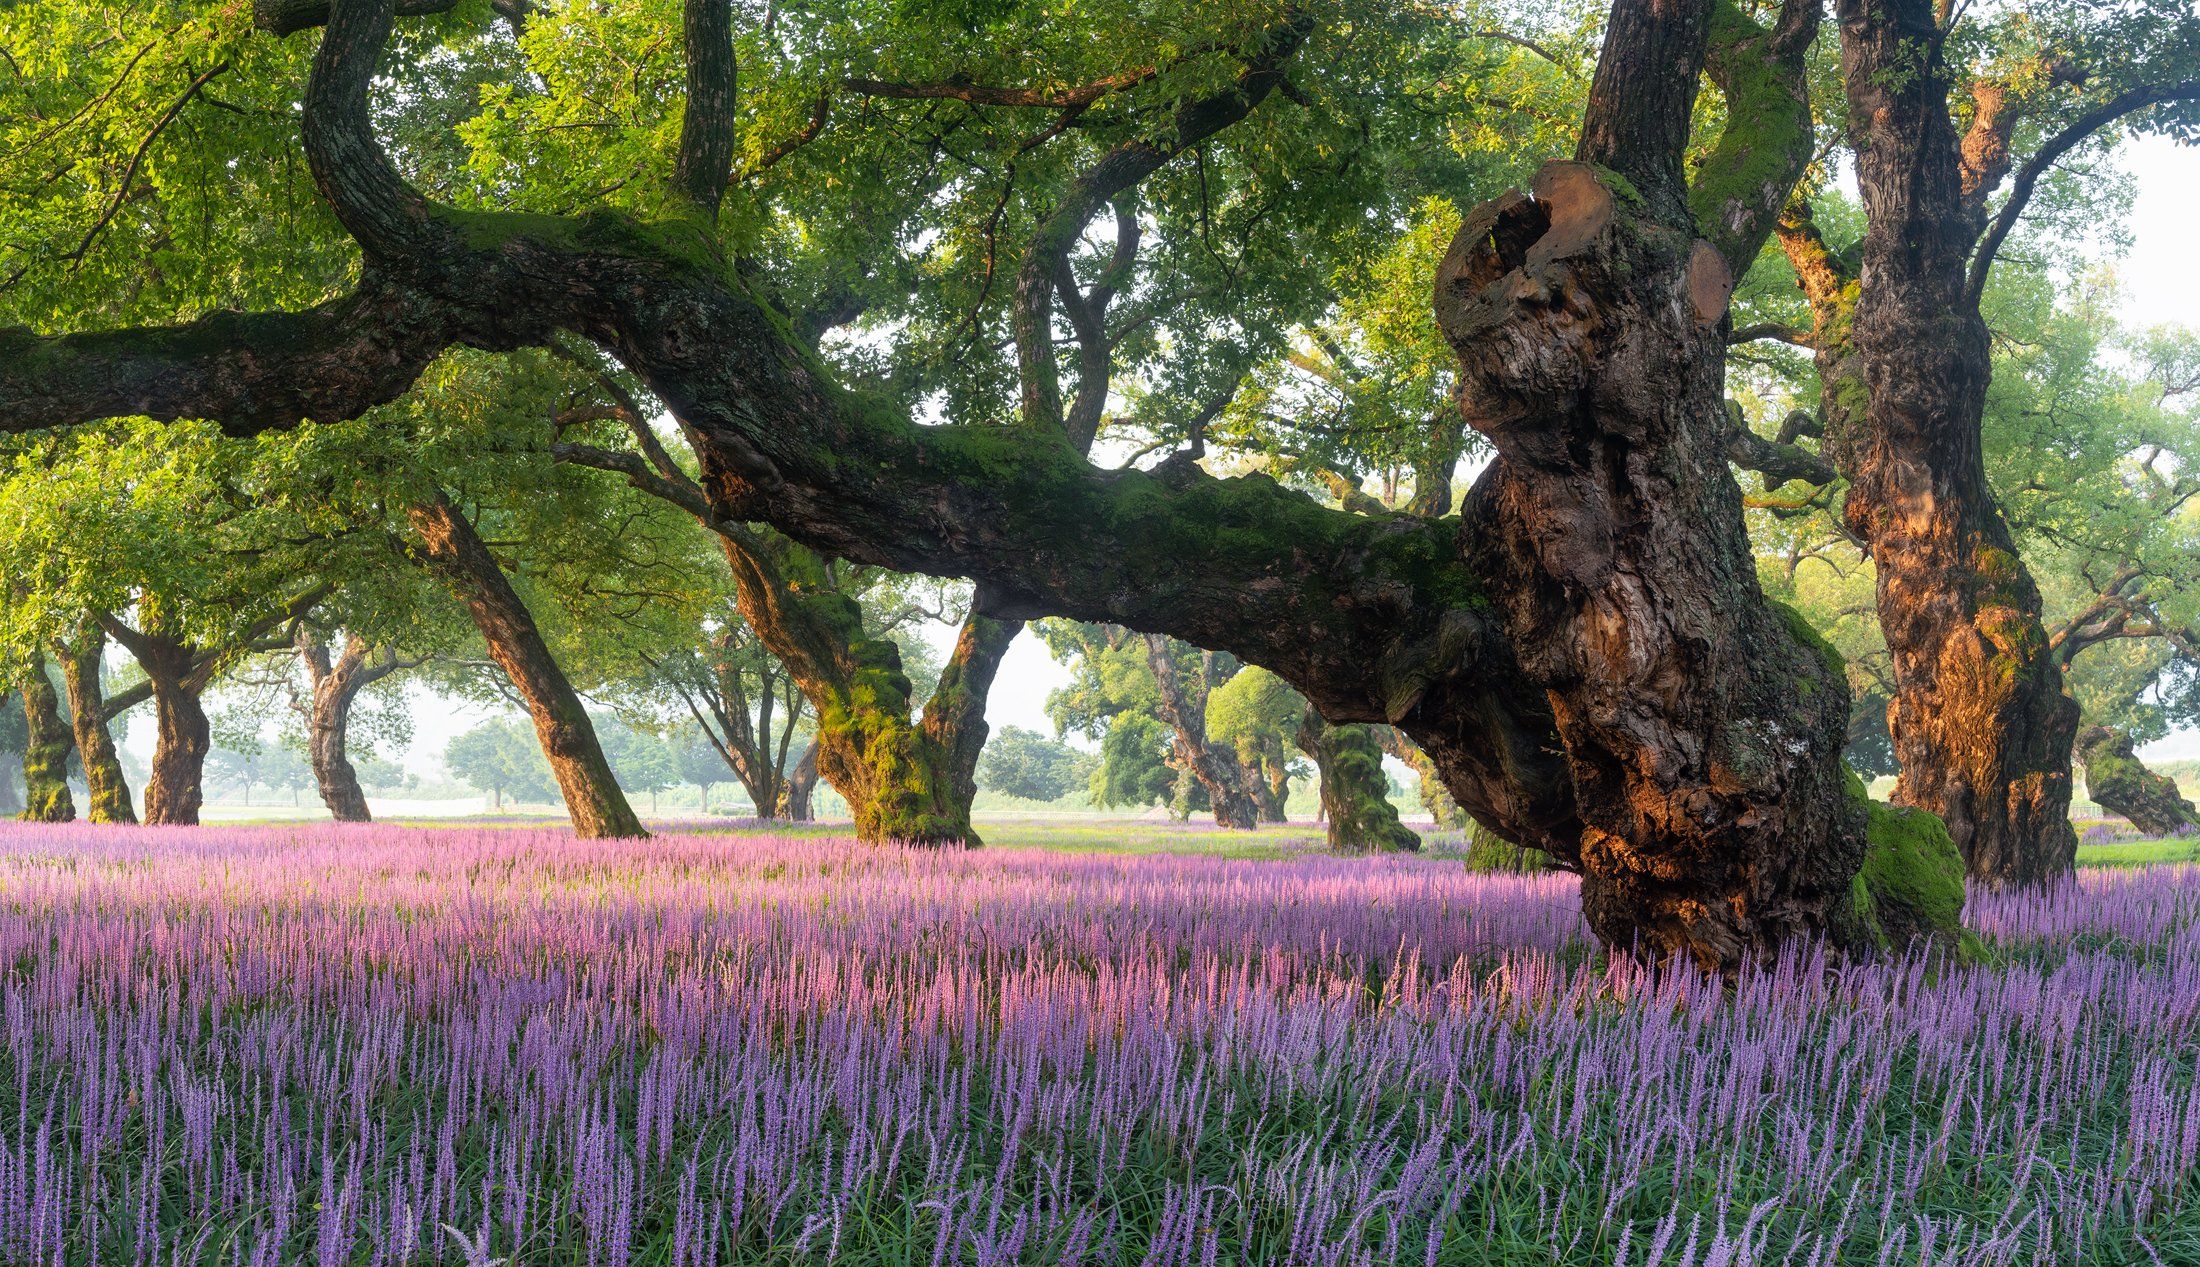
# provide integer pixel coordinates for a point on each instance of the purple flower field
(389, 1045)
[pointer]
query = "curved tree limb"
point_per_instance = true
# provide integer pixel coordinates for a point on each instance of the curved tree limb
(2073, 134)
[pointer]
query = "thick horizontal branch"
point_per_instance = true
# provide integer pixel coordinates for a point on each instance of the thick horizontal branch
(248, 372)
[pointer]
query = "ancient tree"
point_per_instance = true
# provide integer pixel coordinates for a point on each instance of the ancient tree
(1981, 723)
(1583, 651)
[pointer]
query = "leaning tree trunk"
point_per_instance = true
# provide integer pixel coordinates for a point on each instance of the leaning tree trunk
(1702, 729)
(449, 544)
(1355, 792)
(336, 685)
(106, 787)
(2119, 782)
(46, 751)
(1982, 725)
(1215, 767)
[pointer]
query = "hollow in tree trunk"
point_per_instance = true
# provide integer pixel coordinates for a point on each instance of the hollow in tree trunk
(2119, 782)
(1355, 793)
(1702, 727)
(447, 542)
(46, 748)
(106, 788)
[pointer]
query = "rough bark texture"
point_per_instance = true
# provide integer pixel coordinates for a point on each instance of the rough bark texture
(1981, 723)
(45, 750)
(2119, 782)
(1702, 726)
(905, 778)
(1183, 706)
(446, 541)
(177, 673)
(336, 682)
(106, 788)
(1354, 790)
(175, 790)
(1583, 652)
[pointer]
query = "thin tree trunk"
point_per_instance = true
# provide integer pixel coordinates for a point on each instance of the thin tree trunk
(2119, 782)
(105, 785)
(1982, 725)
(796, 807)
(46, 751)
(449, 544)
(1184, 708)
(1355, 792)
(10, 766)
(336, 684)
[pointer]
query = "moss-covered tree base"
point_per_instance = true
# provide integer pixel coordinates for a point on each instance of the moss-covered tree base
(1911, 886)
(1489, 852)
(46, 796)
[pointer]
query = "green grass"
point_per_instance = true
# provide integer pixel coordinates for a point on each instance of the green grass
(2140, 853)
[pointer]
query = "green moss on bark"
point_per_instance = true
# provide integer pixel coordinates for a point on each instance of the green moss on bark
(1911, 884)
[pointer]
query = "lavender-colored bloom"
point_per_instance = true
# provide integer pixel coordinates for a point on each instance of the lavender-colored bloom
(352, 1045)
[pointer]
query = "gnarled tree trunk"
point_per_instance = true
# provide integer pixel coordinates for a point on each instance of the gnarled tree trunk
(1982, 725)
(906, 778)
(106, 788)
(1583, 652)
(46, 750)
(446, 541)
(2119, 782)
(1702, 731)
(1354, 790)
(1184, 707)
(177, 672)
